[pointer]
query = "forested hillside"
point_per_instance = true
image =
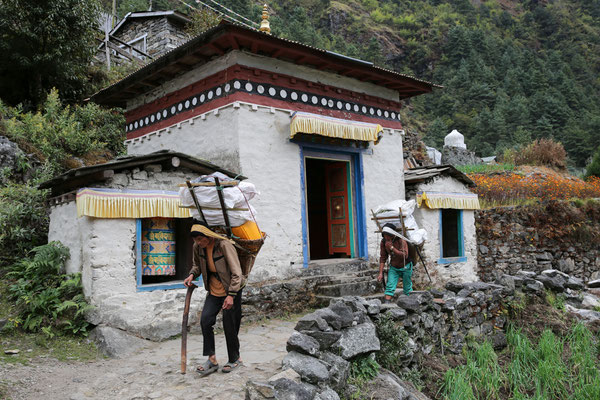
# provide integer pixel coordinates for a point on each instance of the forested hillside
(512, 71)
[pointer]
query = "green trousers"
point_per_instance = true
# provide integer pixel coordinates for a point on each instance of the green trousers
(394, 275)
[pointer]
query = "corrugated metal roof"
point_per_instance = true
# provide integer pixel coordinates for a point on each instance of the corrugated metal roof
(422, 174)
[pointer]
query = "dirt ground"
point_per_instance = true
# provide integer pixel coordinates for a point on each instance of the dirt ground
(152, 372)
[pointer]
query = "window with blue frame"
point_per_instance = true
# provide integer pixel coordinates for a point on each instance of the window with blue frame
(451, 236)
(163, 252)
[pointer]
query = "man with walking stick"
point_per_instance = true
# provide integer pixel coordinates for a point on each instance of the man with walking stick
(215, 257)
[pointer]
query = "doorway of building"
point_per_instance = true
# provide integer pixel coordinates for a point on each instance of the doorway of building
(329, 208)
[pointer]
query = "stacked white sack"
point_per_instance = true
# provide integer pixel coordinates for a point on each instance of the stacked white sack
(236, 199)
(392, 209)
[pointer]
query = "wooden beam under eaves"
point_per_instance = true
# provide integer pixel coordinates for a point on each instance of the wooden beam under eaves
(233, 42)
(216, 48)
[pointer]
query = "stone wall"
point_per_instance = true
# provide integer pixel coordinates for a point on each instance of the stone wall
(458, 156)
(325, 342)
(162, 34)
(555, 235)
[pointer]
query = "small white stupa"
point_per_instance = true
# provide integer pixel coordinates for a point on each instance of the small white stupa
(455, 139)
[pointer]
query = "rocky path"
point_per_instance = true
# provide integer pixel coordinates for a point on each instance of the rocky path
(153, 372)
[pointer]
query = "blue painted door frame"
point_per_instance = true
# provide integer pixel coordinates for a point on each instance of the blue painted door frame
(356, 162)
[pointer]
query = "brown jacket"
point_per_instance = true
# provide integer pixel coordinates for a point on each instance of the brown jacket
(396, 260)
(227, 265)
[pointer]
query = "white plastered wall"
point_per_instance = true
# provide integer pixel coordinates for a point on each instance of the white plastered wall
(273, 164)
(383, 182)
(212, 136)
(429, 220)
(103, 250)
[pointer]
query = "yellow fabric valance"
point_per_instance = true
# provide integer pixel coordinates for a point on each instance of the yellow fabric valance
(115, 203)
(459, 201)
(333, 127)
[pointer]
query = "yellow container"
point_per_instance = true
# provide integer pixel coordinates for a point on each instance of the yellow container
(248, 231)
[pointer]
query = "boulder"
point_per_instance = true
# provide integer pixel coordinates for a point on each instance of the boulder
(498, 341)
(309, 368)
(286, 389)
(533, 286)
(339, 370)
(325, 339)
(409, 303)
(115, 342)
(396, 313)
(344, 313)
(327, 394)
(312, 322)
(590, 301)
(385, 386)
(454, 286)
(259, 390)
(588, 316)
(594, 284)
(575, 283)
(287, 374)
(356, 303)
(508, 282)
(356, 340)
(374, 307)
(302, 344)
(526, 274)
(555, 283)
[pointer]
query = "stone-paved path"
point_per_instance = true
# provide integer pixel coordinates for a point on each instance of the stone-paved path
(154, 372)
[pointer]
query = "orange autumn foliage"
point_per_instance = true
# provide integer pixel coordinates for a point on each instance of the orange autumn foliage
(509, 188)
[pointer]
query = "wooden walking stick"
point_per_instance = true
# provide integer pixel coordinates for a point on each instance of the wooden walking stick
(186, 312)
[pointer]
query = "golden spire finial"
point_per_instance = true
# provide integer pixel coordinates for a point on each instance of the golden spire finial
(264, 24)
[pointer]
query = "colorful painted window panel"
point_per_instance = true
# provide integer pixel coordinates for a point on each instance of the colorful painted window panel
(158, 246)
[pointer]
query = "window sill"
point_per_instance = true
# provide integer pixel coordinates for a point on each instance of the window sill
(452, 260)
(165, 286)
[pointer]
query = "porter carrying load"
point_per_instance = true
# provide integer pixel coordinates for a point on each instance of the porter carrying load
(223, 205)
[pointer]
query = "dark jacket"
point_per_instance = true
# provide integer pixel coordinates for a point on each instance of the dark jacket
(396, 260)
(227, 265)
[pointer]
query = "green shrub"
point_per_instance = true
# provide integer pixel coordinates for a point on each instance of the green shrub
(542, 152)
(393, 339)
(363, 369)
(57, 132)
(23, 221)
(46, 299)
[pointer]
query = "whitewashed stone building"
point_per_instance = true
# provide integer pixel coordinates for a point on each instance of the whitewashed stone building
(318, 133)
(446, 210)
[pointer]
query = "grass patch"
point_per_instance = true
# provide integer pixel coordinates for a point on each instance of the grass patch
(35, 346)
(485, 168)
(552, 368)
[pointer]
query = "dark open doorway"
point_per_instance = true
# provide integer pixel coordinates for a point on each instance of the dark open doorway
(329, 208)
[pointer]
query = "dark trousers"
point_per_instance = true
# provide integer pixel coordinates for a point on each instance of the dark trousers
(231, 325)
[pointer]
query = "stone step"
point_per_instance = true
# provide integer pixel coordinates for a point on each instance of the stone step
(363, 287)
(323, 301)
(335, 266)
(316, 281)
